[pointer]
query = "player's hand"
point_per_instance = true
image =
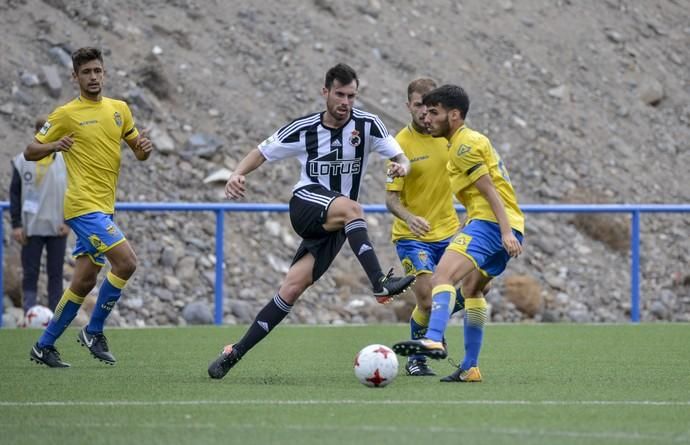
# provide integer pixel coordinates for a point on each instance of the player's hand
(144, 144)
(511, 244)
(235, 189)
(396, 170)
(63, 230)
(418, 225)
(64, 144)
(19, 235)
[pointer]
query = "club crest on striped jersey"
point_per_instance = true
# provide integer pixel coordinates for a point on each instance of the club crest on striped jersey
(355, 140)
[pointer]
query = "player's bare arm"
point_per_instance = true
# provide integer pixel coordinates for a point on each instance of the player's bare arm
(399, 166)
(487, 189)
(36, 150)
(141, 145)
(417, 224)
(235, 188)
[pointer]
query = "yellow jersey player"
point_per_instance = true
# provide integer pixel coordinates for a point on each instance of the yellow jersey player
(492, 235)
(425, 217)
(88, 131)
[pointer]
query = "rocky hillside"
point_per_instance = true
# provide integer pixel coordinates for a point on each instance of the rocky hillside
(586, 101)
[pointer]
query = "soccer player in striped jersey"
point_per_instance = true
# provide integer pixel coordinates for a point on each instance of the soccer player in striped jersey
(492, 234)
(332, 147)
(425, 217)
(88, 131)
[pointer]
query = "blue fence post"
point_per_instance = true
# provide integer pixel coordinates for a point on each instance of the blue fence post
(635, 268)
(220, 226)
(2, 264)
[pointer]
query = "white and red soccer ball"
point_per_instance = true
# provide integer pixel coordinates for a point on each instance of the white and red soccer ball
(376, 366)
(37, 317)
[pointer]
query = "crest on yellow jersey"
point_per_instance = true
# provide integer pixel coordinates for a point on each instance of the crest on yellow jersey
(463, 149)
(118, 119)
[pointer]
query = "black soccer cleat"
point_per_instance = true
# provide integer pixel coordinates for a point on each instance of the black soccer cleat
(228, 357)
(48, 356)
(418, 368)
(423, 346)
(97, 345)
(390, 286)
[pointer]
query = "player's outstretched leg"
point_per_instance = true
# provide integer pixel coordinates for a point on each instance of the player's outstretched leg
(385, 286)
(228, 357)
(268, 318)
(433, 346)
(389, 286)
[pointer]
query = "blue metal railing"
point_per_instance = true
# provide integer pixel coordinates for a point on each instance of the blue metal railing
(635, 210)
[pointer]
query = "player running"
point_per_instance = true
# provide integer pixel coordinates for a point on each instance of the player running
(88, 131)
(492, 235)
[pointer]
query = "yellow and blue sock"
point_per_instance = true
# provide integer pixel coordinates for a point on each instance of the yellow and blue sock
(443, 300)
(419, 322)
(65, 311)
(476, 314)
(459, 301)
(108, 294)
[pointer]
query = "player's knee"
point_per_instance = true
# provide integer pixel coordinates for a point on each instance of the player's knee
(439, 279)
(125, 267)
(352, 210)
(130, 267)
(293, 287)
(291, 291)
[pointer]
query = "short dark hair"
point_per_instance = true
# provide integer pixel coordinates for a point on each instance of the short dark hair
(40, 122)
(451, 97)
(85, 55)
(422, 86)
(342, 73)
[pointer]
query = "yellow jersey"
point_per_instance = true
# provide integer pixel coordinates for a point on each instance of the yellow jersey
(426, 190)
(470, 157)
(93, 162)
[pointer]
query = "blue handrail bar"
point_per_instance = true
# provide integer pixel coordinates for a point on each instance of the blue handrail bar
(220, 208)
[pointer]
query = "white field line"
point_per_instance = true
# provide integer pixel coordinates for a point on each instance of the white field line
(330, 429)
(115, 403)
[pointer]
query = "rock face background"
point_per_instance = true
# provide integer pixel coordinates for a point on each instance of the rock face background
(586, 102)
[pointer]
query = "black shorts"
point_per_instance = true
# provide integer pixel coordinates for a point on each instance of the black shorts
(308, 212)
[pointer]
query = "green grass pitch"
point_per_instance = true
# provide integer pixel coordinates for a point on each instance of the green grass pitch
(543, 384)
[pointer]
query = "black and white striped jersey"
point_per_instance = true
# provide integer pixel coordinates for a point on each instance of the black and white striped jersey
(333, 157)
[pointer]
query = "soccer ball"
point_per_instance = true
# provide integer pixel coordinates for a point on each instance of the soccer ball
(38, 317)
(376, 366)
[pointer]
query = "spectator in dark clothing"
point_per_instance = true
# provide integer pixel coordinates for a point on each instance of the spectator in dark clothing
(36, 207)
